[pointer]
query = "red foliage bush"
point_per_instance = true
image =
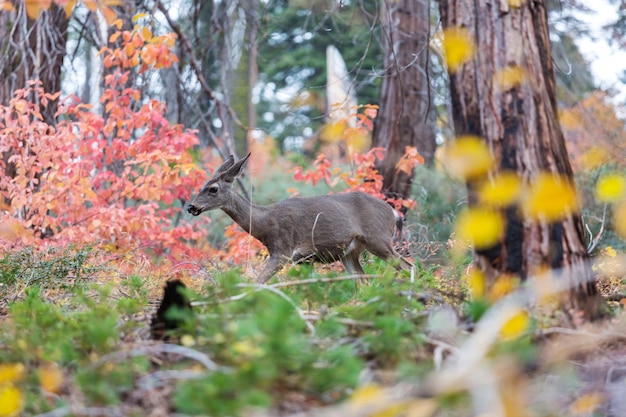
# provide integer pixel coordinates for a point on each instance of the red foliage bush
(116, 181)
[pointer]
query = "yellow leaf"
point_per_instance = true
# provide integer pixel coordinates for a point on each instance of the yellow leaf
(619, 219)
(468, 158)
(516, 4)
(510, 77)
(91, 5)
(515, 326)
(365, 394)
(550, 198)
(332, 132)
(7, 6)
(569, 119)
(187, 340)
(594, 157)
(610, 188)
(69, 8)
(587, 403)
(138, 16)
(11, 400)
(480, 226)
(35, 7)
(51, 378)
(109, 15)
(475, 280)
(146, 33)
(501, 191)
(118, 23)
(11, 372)
(423, 407)
(502, 286)
(357, 140)
(458, 47)
(11, 230)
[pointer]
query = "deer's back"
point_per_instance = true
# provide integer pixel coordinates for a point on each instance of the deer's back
(335, 217)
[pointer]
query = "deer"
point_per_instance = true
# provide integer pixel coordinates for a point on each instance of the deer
(325, 229)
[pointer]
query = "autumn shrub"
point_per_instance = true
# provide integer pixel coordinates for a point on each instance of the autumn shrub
(116, 180)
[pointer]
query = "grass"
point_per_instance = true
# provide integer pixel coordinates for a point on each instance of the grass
(314, 341)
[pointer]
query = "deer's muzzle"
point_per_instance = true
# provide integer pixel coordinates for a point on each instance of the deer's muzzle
(193, 209)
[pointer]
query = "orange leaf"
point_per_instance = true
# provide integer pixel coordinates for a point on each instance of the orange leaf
(91, 5)
(7, 6)
(34, 8)
(109, 15)
(68, 7)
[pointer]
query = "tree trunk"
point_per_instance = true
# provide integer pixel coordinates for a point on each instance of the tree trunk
(520, 125)
(405, 117)
(32, 50)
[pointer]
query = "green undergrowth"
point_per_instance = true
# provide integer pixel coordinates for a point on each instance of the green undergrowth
(318, 339)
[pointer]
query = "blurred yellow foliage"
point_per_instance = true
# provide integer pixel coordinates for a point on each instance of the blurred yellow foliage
(550, 198)
(50, 378)
(610, 188)
(587, 403)
(332, 132)
(357, 140)
(516, 4)
(11, 400)
(458, 47)
(510, 77)
(594, 157)
(468, 157)
(475, 280)
(372, 395)
(187, 340)
(11, 372)
(12, 229)
(503, 285)
(500, 191)
(480, 226)
(516, 326)
(619, 219)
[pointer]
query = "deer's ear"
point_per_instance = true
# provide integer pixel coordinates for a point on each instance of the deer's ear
(235, 170)
(225, 166)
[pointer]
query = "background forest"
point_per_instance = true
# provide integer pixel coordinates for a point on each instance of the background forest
(481, 122)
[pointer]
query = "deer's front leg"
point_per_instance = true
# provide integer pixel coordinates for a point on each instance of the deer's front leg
(273, 264)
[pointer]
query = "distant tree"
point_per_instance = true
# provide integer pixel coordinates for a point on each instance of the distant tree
(406, 117)
(293, 37)
(517, 117)
(32, 47)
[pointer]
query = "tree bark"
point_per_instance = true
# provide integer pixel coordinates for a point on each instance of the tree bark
(32, 50)
(405, 117)
(519, 123)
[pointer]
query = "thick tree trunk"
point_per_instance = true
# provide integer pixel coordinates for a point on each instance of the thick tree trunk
(405, 117)
(520, 124)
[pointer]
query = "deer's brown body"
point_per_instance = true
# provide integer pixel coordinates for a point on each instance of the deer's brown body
(323, 229)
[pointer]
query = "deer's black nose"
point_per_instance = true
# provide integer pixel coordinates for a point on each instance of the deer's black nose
(191, 208)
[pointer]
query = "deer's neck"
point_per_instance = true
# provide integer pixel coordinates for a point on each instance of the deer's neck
(245, 214)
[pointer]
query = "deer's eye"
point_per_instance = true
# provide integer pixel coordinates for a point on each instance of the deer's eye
(213, 189)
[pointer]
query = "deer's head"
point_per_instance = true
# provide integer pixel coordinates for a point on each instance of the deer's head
(217, 192)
